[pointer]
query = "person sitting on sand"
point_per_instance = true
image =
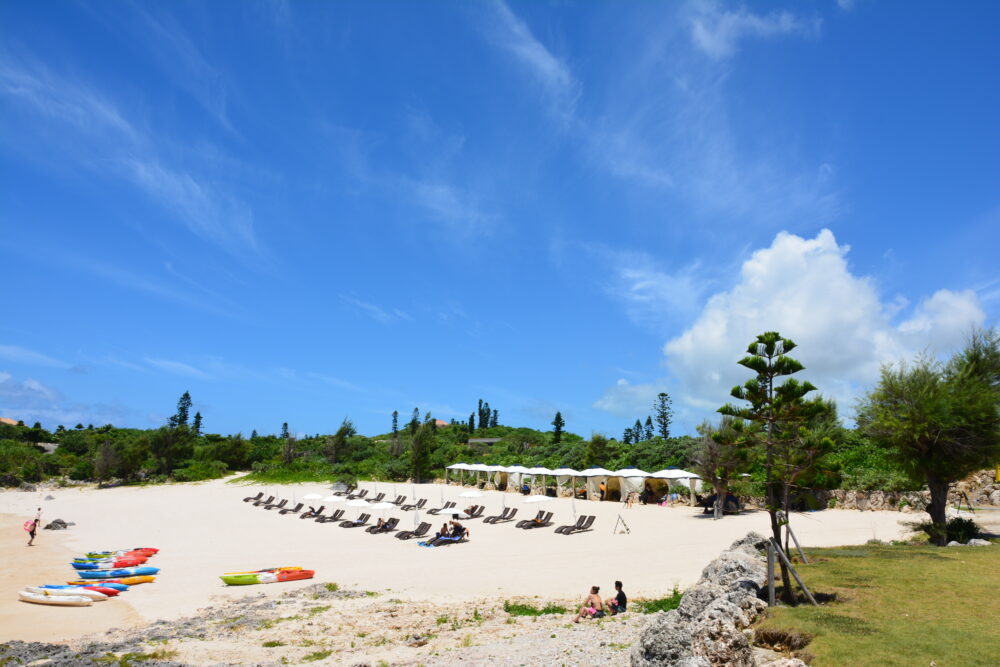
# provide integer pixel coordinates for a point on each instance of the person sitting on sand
(592, 605)
(525, 489)
(619, 603)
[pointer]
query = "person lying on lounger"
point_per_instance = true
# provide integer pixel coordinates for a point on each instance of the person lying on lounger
(592, 607)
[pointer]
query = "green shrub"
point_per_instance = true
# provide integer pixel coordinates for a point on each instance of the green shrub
(524, 609)
(201, 470)
(959, 529)
(661, 604)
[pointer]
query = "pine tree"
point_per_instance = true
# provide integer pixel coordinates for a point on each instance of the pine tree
(637, 431)
(557, 428)
(395, 423)
(183, 409)
(649, 429)
(484, 416)
(496, 417)
(664, 414)
(627, 436)
(196, 426)
(253, 435)
(414, 421)
(284, 431)
(472, 423)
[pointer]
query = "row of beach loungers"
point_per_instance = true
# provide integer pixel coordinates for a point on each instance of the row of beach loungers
(541, 520)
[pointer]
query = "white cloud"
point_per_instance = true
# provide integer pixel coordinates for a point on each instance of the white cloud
(459, 211)
(31, 400)
(20, 355)
(718, 32)
(554, 75)
(377, 313)
(178, 368)
(804, 289)
(628, 401)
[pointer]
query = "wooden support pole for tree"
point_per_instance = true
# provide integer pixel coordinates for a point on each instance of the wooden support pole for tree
(802, 554)
(770, 574)
(791, 568)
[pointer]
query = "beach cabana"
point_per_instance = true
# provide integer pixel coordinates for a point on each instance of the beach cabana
(539, 471)
(460, 468)
(676, 474)
(626, 481)
(514, 476)
(496, 475)
(480, 469)
(564, 476)
(594, 478)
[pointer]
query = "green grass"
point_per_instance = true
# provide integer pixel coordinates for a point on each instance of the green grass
(272, 643)
(899, 605)
(524, 609)
(318, 655)
(644, 606)
(332, 587)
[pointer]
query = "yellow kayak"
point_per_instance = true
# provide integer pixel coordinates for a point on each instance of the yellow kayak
(128, 581)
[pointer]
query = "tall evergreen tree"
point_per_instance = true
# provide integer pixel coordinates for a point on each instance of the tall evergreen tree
(395, 423)
(253, 434)
(627, 436)
(648, 431)
(420, 451)
(414, 421)
(664, 414)
(183, 409)
(495, 418)
(637, 430)
(557, 428)
(472, 423)
(196, 425)
(284, 431)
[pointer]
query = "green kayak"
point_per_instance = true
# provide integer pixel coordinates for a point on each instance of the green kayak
(268, 576)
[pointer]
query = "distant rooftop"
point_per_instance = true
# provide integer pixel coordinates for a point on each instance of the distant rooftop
(5, 420)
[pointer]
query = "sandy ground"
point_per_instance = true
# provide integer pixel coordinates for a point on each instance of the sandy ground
(204, 530)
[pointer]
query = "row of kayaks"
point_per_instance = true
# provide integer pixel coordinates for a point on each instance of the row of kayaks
(103, 574)
(271, 575)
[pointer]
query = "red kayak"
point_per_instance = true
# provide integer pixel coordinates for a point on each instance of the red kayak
(110, 592)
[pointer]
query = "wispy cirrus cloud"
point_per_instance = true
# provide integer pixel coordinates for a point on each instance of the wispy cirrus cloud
(561, 88)
(377, 313)
(178, 368)
(717, 29)
(459, 211)
(91, 128)
(21, 355)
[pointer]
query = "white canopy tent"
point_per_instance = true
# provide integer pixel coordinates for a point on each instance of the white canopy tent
(539, 471)
(594, 478)
(626, 481)
(514, 475)
(676, 474)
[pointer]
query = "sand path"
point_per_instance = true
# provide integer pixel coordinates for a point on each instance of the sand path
(204, 529)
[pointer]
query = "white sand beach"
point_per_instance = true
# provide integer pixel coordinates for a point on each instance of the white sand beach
(204, 529)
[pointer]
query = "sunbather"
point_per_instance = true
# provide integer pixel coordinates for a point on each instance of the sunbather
(592, 607)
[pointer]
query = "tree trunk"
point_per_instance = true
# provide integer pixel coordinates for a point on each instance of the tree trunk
(720, 498)
(937, 509)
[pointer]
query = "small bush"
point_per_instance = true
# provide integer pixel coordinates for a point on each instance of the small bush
(661, 604)
(831, 503)
(272, 644)
(959, 529)
(201, 470)
(318, 655)
(332, 587)
(524, 609)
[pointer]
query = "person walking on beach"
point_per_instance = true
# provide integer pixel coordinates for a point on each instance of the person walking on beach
(31, 531)
(592, 605)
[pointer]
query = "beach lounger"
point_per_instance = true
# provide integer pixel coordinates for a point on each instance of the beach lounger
(581, 529)
(573, 526)
(276, 506)
(336, 516)
(419, 532)
(524, 522)
(350, 489)
(378, 498)
(399, 500)
(419, 505)
(292, 510)
(388, 527)
(362, 520)
(546, 520)
(506, 515)
(253, 498)
(360, 494)
(257, 503)
(312, 515)
(447, 506)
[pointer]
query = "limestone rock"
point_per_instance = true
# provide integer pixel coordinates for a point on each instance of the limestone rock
(715, 637)
(979, 543)
(731, 566)
(784, 662)
(692, 661)
(753, 543)
(995, 498)
(697, 599)
(665, 640)
(953, 543)
(56, 524)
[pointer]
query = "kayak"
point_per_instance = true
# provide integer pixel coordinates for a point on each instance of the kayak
(270, 576)
(117, 581)
(57, 600)
(111, 590)
(116, 573)
(136, 557)
(69, 590)
(145, 551)
(107, 564)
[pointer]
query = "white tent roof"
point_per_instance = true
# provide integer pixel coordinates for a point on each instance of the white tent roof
(496, 468)
(479, 467)
(596, 472)
(521, 469)
(674, 473)
(566, 471)
(539, 471)
(458, 466)
(630, 472)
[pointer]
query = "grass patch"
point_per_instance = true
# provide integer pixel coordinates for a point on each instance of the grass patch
(524, 609)
(672, 601)
(319, 610)
(332, 587)
(318, 655)
(272, 643)
(127, 659)
(895, 605)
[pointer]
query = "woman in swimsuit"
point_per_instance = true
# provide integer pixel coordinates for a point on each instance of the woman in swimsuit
(592, 605)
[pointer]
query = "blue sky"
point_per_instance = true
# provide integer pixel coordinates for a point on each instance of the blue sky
(308, 211)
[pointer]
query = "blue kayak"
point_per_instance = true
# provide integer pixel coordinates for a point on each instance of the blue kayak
(120, 572)
(117, 587)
